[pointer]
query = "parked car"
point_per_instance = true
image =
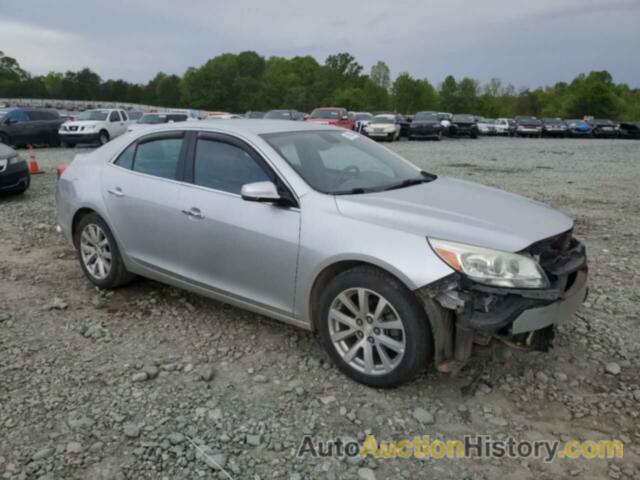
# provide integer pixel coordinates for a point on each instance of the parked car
(425, 125)
(527, 126)
(383, 127)
(23, 126)
(463, 125)
(94, 126)
(155, 118)
(14, 171)
(602, 128)
(362, 119)
(554, 127)
(223, 116)
(629, 130)
(486, 126)
(404, 122)
(332, 116)
(445, 121)
(502, 126)
(429, 263)
(134, 115)
(284, 115)
(578, 128)
(254, 114)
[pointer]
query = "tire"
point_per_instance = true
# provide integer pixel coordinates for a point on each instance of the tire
(117, 275)
(438, 137)
(367, 335)
(4, 139)
(103, 137)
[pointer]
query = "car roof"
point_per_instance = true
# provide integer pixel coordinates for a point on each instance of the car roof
(248, 125)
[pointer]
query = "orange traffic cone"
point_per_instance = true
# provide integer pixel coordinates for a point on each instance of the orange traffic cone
(33, 164)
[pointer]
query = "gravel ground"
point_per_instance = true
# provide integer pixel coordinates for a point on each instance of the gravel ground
(125, 384)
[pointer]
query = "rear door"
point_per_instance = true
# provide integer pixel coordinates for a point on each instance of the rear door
(246, 250)
(141, 189)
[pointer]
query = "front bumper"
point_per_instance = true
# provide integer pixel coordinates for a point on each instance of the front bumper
(424, 131)
(73, 137)
(14, 177)
(462, 310)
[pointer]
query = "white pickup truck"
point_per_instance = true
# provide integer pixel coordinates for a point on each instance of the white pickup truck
(94, 126)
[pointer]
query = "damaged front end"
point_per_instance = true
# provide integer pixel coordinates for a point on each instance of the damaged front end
(463, 311)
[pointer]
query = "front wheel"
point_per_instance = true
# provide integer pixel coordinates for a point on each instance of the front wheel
(373, 328)
(103, 137)
(99, 254)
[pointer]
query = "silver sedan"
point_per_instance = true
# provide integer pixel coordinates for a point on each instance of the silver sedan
(321, 227)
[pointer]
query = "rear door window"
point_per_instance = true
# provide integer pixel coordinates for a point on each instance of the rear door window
(159, 157)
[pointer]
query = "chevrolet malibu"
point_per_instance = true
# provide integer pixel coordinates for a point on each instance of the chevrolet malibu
(322, 228)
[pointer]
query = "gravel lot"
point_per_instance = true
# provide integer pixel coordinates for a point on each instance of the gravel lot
(124, 384)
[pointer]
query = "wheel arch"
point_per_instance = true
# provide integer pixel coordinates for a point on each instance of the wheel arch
(329, 272)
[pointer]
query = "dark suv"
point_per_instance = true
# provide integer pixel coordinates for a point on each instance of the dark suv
(30, 126)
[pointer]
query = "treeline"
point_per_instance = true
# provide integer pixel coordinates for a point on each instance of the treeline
(249, 81)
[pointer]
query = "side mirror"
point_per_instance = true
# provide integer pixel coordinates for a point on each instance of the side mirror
(260, 192)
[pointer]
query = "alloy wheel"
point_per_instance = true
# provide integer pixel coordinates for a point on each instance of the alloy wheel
(95, 251)
(367, 331)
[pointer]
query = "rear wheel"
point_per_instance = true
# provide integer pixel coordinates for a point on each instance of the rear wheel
(373, 328)
(99, 254)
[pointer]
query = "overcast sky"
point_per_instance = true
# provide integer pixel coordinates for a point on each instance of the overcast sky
(527, 43)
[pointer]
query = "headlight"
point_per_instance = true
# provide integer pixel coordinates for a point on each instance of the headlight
(15, 160)
(89, 127)
(391, 129)
(491, 267)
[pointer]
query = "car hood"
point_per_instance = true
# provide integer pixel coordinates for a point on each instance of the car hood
(383, 125)
(327, 121)
(460, 211)
(82, 123)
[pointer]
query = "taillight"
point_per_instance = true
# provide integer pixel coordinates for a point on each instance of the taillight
(61, 168)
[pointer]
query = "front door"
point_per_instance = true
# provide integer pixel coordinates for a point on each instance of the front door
(243, 249)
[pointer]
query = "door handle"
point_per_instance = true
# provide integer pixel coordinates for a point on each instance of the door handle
(116, 192)
(194, 213)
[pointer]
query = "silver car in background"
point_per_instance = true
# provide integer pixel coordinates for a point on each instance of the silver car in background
(324, 229)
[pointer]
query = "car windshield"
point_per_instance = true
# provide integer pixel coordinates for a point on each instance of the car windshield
(153, 118)
(278, 115)
(426, 116)
(99, 115)
(383, 120)
(603, 122)
(552, 120)
(363, 116)
(337, 162)
(463, 118)
(324, 114)
(529, 121)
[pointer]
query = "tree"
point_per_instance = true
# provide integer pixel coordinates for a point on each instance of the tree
(410, 95)
(344, 64)
(448, 95)
(381, 75)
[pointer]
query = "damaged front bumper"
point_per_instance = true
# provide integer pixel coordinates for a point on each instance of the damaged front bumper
(461, 310)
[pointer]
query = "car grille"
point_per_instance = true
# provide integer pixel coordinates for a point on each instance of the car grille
(73, 128)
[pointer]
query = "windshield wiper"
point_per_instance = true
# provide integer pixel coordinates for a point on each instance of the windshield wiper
(425, 178)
